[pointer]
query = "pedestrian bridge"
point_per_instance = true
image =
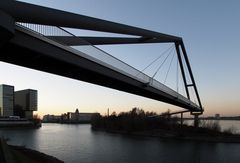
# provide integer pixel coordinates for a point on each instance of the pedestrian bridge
(35, 37)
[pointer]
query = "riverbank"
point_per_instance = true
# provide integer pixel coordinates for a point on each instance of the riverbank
(186, 134)
(137, 122)
(69, 122)
(19, 123)
(19, 154)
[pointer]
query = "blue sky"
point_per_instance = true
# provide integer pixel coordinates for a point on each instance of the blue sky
(210, 30)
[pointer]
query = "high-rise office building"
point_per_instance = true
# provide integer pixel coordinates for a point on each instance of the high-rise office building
(26, 102)
(6, 100)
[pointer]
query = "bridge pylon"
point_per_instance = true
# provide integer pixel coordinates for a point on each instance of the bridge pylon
(182, 57)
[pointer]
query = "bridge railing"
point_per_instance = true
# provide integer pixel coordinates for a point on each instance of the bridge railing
(105, 58)
(44, 30)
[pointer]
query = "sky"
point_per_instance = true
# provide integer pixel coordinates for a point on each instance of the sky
(210, 31)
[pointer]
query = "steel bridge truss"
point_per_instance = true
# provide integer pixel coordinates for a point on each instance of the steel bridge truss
(14, 11)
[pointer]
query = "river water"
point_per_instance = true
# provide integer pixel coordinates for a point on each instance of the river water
(79, 144)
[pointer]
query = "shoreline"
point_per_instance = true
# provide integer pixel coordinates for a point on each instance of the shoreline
(14, 154)
(19, 123)
(167, 134)
(36, 155)
(81, 122)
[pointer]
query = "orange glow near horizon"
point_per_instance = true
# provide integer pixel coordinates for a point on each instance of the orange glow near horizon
(57, 95)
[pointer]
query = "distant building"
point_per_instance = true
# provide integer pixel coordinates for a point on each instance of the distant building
(26, 102)
(64, 117)
(51, 118)
(69, 117)
(76, 117)
(6, 100)
(217, 116)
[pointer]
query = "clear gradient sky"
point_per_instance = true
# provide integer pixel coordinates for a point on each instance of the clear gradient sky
(210, 30)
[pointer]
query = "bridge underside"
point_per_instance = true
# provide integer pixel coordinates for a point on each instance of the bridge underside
(52, 53)
(27, 51)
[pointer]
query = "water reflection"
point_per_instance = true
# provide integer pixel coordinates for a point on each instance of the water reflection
(78, 143)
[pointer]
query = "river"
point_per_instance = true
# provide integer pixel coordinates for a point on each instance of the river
(79, 144)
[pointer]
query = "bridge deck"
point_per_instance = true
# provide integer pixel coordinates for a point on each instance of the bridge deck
(94, 66)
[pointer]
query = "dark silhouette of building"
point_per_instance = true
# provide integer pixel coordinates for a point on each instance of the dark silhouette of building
(25, 103)
(80, 117)
(20, 103)
(6, 100)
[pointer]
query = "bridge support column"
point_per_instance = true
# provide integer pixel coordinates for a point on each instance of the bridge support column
(181, 119)
(196, 120)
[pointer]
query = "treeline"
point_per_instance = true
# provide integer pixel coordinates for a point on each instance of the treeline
(134, 120)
